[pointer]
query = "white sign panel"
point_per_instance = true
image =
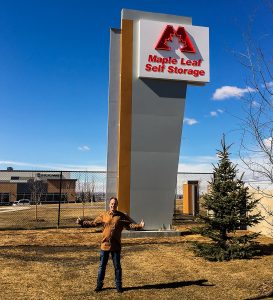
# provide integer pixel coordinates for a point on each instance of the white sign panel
(173, 51)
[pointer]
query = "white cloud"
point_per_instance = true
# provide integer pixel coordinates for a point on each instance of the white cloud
(199, 159)
(203, 164)
(199, 163)
(84, 148)
(255, 104)
(268, 142)
(216, 113)
(50, 166)
(269, 85)
(195, 168)
(190, 121)
(226, 92)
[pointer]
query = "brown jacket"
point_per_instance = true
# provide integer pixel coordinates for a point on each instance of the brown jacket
(113, 224)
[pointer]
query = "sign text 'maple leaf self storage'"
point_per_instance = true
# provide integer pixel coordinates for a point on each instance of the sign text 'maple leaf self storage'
(173, 51)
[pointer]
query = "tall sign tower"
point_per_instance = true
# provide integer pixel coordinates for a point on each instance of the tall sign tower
(152, 59)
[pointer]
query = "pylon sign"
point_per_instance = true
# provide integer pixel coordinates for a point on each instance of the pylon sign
(153, 57)
(173, 51)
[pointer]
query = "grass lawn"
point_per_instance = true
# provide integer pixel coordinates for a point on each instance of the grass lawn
(62, 264)
(46, 215)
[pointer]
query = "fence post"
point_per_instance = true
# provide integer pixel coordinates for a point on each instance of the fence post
(60, 196)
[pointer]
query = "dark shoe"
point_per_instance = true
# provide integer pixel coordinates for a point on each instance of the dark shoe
(119, 289)
(98, 289)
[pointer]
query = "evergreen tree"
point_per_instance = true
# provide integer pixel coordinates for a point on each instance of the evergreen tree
(229, 207)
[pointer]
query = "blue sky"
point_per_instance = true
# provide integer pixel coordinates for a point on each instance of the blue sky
(54, 59)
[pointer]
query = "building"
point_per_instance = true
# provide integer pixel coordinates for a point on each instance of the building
(37, 186)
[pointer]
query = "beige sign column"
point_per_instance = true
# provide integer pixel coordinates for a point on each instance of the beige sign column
(125, 116)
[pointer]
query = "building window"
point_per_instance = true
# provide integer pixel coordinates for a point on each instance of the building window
(4, 198)
(23, 196)
(54, 198)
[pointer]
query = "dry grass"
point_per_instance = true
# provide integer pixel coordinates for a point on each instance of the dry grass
(62, 264)
(47, 215)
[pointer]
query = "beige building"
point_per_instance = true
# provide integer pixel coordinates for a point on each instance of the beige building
(36, 186)
(265, 206)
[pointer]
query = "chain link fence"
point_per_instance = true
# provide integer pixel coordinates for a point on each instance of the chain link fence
(53, 199)
(49, 199)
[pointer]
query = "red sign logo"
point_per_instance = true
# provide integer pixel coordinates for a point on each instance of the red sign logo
(181, 34)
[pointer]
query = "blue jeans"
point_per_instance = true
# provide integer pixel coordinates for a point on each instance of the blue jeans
(104, 256)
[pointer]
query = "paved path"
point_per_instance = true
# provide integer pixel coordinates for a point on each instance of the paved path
(12, 208)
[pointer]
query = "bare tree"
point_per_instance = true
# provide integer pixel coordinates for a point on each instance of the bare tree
(257, 144)
(37, 188)
(85, 192)
(256, 151)
(92, 196)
